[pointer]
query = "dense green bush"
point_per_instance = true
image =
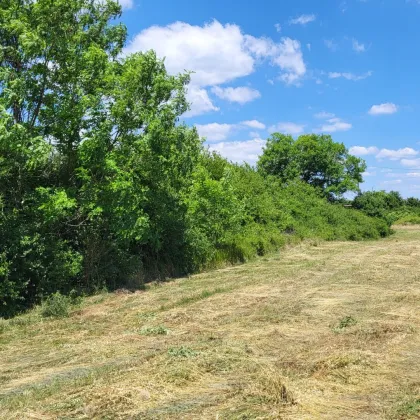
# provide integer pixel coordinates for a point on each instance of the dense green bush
(315, 159)
(56, 306)
(389, 206)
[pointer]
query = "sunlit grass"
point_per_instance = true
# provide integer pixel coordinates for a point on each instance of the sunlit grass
(327, 331)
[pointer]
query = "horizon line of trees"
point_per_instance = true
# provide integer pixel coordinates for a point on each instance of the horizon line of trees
(103, 186)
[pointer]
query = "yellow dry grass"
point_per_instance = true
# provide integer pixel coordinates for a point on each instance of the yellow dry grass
(320, 331)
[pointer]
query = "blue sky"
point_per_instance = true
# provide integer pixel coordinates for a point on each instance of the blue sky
(346, 68)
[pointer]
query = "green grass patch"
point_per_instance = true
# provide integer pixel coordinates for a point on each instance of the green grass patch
(346, 322)
(157, 330)
(183, 352)
(409, 409)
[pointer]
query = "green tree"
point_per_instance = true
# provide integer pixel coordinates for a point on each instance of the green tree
(378, 203)
(92, 158)
(413, 202)
(315, 159)
(54, 60)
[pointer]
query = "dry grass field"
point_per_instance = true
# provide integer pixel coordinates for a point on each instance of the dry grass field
(323, 330)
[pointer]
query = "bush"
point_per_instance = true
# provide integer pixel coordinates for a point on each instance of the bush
(56, 306)
(390, 207)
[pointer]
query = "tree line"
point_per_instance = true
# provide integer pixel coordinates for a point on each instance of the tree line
(102, 185)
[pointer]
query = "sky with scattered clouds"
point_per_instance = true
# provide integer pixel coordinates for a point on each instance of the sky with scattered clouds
(348, 68)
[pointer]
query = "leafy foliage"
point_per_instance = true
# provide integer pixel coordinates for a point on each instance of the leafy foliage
(315, 159)
(389, 206)
(56, 306)
(103, 187)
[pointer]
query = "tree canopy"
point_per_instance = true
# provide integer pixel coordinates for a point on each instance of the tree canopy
(101, 185)
(315, 159)
(91, 155)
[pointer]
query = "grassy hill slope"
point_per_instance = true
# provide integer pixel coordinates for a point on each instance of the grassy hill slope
(322, 330)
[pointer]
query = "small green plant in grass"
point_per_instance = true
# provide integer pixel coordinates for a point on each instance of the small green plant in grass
(182, 351)
(56, 306)
(4, 325)
(75, 297)
(158, 330)
(59, 306)
(347, 321)
(409, 409)
(147, 315)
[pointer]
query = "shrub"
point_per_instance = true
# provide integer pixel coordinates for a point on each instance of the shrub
(56, 306)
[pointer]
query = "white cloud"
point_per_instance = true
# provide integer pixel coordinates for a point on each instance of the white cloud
(302, 20)
(260, 47)
(363, 151)
(241, 151)
(287, 128)
(393, 182)
(332, 125)
(324, 115)
(413, 174)
(240, 95)
(217, 54)
(358, 47)
(393, 175)
(214, 131)
(278, 27)
(290, 60)
(126, 4)
(406, 152)
(218, 132)
(331, 44)
(200, 102)
(287, 54)
(349, 76)
(411, 163)
(383, 109)
(390, 154)
(368, 173)
(308, 46)
(254, 124)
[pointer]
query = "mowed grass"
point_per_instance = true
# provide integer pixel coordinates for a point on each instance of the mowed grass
(324, 330)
